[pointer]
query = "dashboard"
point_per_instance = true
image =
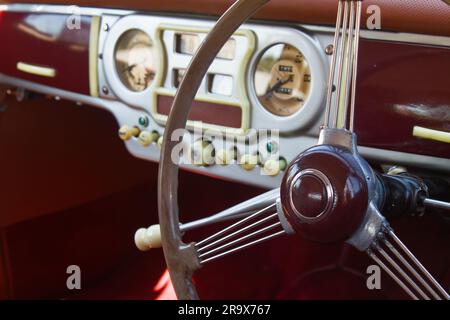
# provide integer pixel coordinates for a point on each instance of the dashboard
(262, 100)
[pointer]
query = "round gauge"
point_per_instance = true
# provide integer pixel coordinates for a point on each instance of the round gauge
(136, 60)
(282, 80)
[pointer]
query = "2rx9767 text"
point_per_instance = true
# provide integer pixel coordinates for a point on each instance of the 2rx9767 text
(242, 309)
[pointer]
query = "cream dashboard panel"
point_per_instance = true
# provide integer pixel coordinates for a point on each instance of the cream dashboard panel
(261, 135)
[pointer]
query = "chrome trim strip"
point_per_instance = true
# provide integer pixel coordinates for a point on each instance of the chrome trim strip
(366, 34)
(93, 55)
(61, 9)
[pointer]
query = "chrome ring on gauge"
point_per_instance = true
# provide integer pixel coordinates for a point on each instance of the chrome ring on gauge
(282, 80)
(135, 60)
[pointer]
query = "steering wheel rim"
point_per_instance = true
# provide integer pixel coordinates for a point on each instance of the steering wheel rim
(366, 228)
(180, 257)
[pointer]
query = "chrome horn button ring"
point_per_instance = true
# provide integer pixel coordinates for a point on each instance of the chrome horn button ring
(311, 195)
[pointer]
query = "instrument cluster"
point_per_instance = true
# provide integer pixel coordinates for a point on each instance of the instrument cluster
(261, 101)
(267, 83)
(263, 77)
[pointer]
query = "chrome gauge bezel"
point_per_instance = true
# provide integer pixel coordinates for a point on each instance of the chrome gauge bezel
(139, 99)
(310, 48)
(127, 43)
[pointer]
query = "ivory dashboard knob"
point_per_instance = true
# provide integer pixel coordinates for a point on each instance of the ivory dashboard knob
(202, 153)
(271, 167)
(146, 138)
(249, 161)
(148, 238)
(160, 142)
(127, 132)
(225, 157)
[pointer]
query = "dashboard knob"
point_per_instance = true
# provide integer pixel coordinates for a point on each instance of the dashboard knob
(160, 142)
(249, 161)
(225, 157)
(127, 132)
(273, 167)
(148, 238)
(202, 153)
(146, 138)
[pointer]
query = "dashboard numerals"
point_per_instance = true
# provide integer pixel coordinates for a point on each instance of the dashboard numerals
(282, 80)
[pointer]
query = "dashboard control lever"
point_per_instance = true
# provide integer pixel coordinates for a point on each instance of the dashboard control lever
(148, 238)
(160, 142)
(431, 134)
(273, 167)
(146, 138)
(127, 132)
(436, 204)
(225, 157)
(203, 153)
(249, 161)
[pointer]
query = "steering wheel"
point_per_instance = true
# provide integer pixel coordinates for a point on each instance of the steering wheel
(329, 193)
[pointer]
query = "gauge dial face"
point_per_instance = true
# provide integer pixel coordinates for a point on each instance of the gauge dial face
(282, 80)
(136, 60)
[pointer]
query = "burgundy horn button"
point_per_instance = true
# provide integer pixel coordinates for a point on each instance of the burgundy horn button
(324, 194)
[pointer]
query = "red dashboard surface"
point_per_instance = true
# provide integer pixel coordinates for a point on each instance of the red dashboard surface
(44, 40)
(417, 16)
(401, 86)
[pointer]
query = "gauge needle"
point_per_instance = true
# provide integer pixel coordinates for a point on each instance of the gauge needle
(276, 86)
(129, 68)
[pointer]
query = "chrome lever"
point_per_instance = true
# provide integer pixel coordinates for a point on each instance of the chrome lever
(436, 204)
(344, 64)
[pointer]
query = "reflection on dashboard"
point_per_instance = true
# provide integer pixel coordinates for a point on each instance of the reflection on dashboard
(187, 43)
(264, 77)
(135, 60)
(282, 80)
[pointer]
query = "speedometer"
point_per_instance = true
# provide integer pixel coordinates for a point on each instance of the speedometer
(135, 59)
(282, 80)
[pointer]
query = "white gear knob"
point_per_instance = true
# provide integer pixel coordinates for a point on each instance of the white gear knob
(148, 238)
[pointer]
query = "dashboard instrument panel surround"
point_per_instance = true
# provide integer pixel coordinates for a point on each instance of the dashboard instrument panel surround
(378, 67)
(250, 42)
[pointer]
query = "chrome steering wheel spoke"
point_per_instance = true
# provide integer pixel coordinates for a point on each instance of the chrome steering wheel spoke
(401, 264)
(260, 220)
(378, 240)
(252, 230)
(241, 210)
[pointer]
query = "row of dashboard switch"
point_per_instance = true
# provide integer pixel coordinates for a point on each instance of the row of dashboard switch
(204, 154)
(145, 138)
